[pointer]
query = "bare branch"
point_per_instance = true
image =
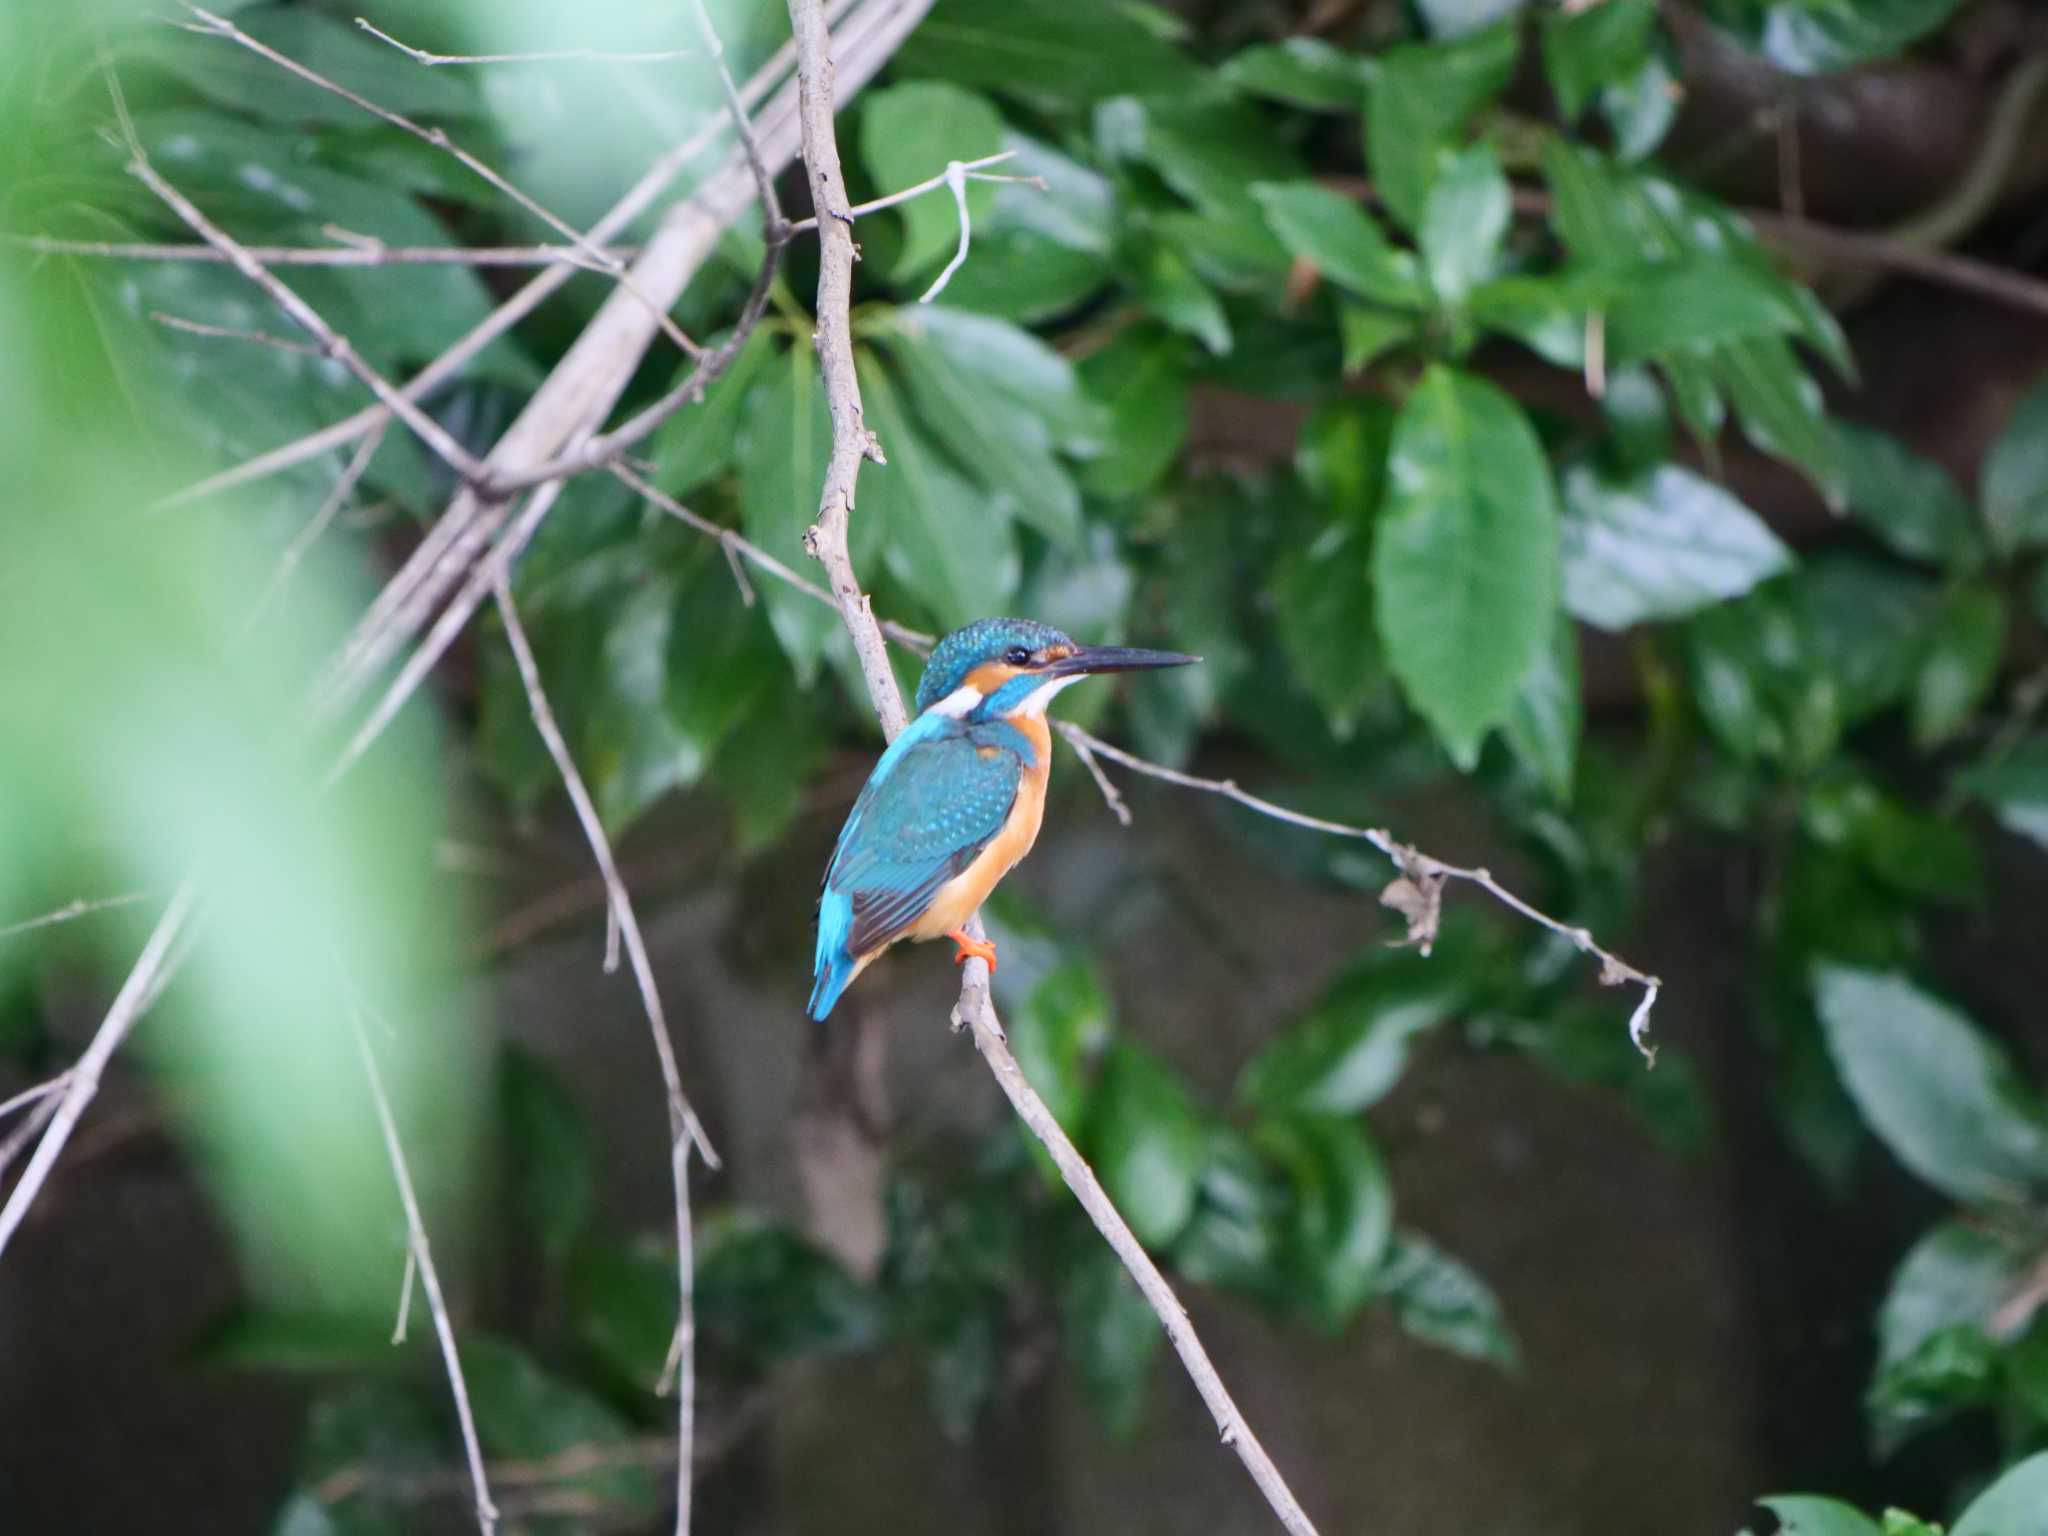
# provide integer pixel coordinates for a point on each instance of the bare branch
(437, 138)
(560, 56)
(929, 184)
(231, 333)
(373, 254)
(683, 1126)
(430, 1279)
(956, 178)
(29, 1096)
(71, 911)
(295, 552)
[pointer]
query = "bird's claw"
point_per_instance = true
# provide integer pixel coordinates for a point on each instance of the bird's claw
(971, 948)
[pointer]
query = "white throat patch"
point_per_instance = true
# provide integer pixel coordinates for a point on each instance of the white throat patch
(1036, 701)
(956, 703)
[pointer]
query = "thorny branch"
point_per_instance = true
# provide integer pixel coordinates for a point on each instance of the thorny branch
(422, 1257)
(851, 442)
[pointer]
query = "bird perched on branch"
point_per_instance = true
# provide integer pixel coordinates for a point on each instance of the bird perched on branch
(956, 800)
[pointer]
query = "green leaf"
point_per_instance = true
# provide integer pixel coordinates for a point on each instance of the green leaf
(1961, 663)
(1441, 1302)
(1303, 72)
(1322, 586)
(1946, 1289)
(1369, 333)
(1818, 37)
(1464, 219)
(1005, 447)
(525, 1412)
(1804, 1514)
(1177, 296)
(1641, 108)
(1781, 409)
(1456, 18)
(1337, 237)
(1351, 1048)
(2012, 1506)
(1465, 570)
(549, 1150)
(1343, 1215)
(908, 134)
(1911, 504)
(1424, 95)
(1681, 306)
(1920, 854)
(1660, 546)
(2015, 478)
(1211, 151)
(1050, 53)
(1595, 46)
(954, 550)
(257, 1340)
(1543, 724)
(1064, 1020)
(701, 441)
(1941, 1095)
(2015, 786)
(1016, 365)
(1141, 378)
(1109, 1332)
(1038, 253)
(1546, 314)
(1146, 1144)
(1865, 623)
(785, 439)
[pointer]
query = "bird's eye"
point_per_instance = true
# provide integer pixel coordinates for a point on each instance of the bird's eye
(1017, 656)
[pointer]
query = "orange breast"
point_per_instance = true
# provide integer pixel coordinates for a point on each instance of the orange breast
(958, 898)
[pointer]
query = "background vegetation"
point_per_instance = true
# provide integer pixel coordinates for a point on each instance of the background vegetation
(1617, 433)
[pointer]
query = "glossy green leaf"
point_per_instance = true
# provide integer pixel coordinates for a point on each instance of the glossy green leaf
(954, 549)
(1000, 444)
(1337, 237)
(1173, 292)
(548, 1150)
(1049, 53)
(1464, 219)
(1141, 378)
(1702, 302)
(1442, 1302)
(1343, 1217)
(1802, 1514)
(1641, 108)
(1424, 95)
(1591, 47)
(1109, 1332)
(1910, 504)
(908, 134)
(1465, 567)
(1546, 314)
(1964, 645)
(701, 441)
(1781, 409)
(2015, 786)
(1941, 1095)
(2015, 1505)
(785, 439)
(1146, 1143)
(1934, 1349)
(1368, 334)
(1544, 721)
(1064, 1020)
(1010, 362)
(1303, 72)
(1818, 37)
(1661, 546)
(1211, 151)
(1038, 253)
(2015, 478)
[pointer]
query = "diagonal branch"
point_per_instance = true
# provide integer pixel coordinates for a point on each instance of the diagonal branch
(374, 254)
(851, 442)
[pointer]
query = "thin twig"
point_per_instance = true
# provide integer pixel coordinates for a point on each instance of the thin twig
(232, 333)
(852, 442)
(929, 184)
(374, 254)
(956, 178)
(295, 552)
(437, 138)
(684, 1128)
(29, 1096)
(558, 56)
(406, 1283)
(430, 1279)
(73, 910)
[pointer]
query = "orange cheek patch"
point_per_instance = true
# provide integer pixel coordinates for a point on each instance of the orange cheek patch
(991, 675)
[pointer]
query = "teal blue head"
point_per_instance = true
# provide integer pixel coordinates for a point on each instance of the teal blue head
(994, 668)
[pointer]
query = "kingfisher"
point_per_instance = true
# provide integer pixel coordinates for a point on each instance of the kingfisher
(957, 798)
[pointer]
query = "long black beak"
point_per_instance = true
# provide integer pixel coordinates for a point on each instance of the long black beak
(1114, 658)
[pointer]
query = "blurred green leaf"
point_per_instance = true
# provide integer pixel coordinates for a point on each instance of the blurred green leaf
(1110, 1333)
(1964, 644)
(908, 134)
(1049, 53)
(1211, 150)
(700, 442)
(1940, 1094)
(1370, 333)
(1441, 1302)
(1011, 362)
(1424, 95)
(2011, 1506)
(1337, 237)
(1465, 564)
(1303, 72)
(1801, 1514)
(1546, 314)
(1544, 721)
(954, 550)
(1680, 306)
(378, 1431)
(2015, 478)
(1663, 545)
(785, 439)
(1950, 1283)
(1141, 378)
(1641, 108)
(1464, 219)
(301, 1341)
(1343, 1212)
(1910, 504)
(1818, 37)
(1177, 296)
(1455, 18)
(524, 1411)
(548, 1149)
(1145, 1140)
(1038, 253)
(2015, 786)
(1065, 1020)
(1781, 409)
(1595, 46)
(1241, 1208)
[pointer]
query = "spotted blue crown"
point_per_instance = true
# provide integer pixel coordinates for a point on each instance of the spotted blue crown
(971, 645)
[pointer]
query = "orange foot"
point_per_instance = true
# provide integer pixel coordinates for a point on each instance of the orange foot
(978, 949)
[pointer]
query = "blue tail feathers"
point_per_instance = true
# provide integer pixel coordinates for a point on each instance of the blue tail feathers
(835, 967)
